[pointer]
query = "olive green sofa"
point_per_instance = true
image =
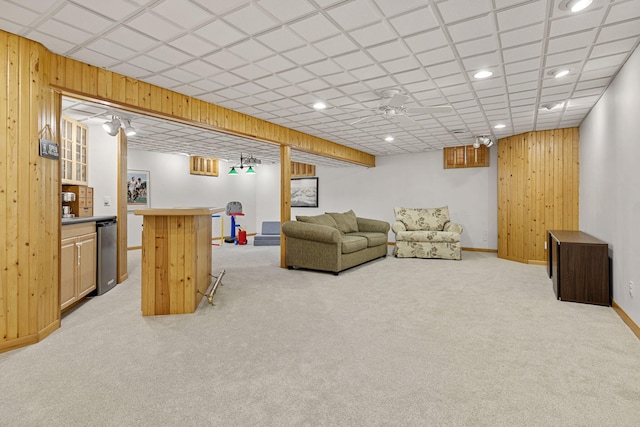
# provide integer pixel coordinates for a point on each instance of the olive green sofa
(334, 241)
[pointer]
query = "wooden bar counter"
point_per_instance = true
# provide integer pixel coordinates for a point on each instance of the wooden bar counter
(176, 258)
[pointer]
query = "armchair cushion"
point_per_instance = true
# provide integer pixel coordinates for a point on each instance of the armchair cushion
(347, 222)
(432, 219)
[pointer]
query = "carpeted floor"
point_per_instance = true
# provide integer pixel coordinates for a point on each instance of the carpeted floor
(395, 342)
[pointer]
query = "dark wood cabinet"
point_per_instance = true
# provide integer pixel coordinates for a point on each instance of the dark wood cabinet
(578, 266)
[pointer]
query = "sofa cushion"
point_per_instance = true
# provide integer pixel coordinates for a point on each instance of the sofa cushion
(347, 222)
(352, 243)
(414, 219)
(323, 219)
(373, 238)
(428, 236)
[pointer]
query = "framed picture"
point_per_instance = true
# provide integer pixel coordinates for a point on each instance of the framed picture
(137, 189)
(304, 192)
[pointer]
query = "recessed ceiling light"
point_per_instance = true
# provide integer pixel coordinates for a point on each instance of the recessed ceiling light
(483, 74)
(389, 138)
(500, 126)
(553, 106)
(319, 106)
(574, 5)
(560, 73)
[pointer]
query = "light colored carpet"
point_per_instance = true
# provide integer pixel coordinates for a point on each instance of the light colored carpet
(395, 342)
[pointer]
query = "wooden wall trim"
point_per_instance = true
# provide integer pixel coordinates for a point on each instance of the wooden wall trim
(94, 84)
(626, 319)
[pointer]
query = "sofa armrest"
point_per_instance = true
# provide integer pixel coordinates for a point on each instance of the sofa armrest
(372, 225)
(454, 228)
(398, 226)
(312, 232)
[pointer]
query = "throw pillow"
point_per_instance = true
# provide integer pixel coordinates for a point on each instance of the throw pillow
(414, 219)
(347, 222)
(323, 219)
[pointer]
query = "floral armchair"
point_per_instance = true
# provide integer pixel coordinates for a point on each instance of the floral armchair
(426, 233)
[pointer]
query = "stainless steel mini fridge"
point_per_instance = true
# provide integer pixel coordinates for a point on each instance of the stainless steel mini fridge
(107, 255)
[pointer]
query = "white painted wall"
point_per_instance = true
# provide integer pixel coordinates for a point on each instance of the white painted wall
(171, 185)
(103, 171)
(609, 180)
(415, 180)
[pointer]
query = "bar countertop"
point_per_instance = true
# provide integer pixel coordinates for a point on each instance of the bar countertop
(78, 220)
(177, 211)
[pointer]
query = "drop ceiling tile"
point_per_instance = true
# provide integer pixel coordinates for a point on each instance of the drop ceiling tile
(522, 77)
(394, 7)
(188, 90)
(340, 79)
(304, 55)
(184, 14)
(523, 66)
(220, 33)
(452, 80)
(428, 40)
(193, 45)
(52, 43)
(414, 22)
(272, 82)
(114, 9)
(276, 63)
(522, 36)
(619, 31)
(250, 50)
(148, 63)
(228, 79)
(83, 19)
(89, 56)
(369, 72)
(168, 54)
(154, 26)
(521, 16)
(623, 11)
(477, 46)
(575, 23)
(604, 62)
(436, 56)
(251, 72)
(355, 14)
(200, 68)
(64, 32)
(488, 61)
(18, 14)
(565, 58)
(108, 48)
(224, 60)
(336, 45)
(323, 68)
(571, 41)
(180, 75)
(618, 46)
(472, 29)
(388, 51)
(162, 81)
(128, 69)
(520, 53)
(457, 10)
(446, 69)
(295, 75)
(380, 32)
(403, 64)
(250, 19)
(130, 38)
(315, 28)
(380, 83)
(281, 39)
(286, 11)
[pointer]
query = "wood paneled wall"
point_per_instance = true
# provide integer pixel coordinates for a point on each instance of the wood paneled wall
(537, 191)
(97, 84)
(29, 196)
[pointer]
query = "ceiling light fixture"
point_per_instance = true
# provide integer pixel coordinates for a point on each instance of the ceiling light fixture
(482, 140)
(128, 129)
(574, 5)
(553, 106)
(244, 162)
(560, 73)
(483, 74)
(500, 126)
(389, 138)
(319, 106)
(112, 126)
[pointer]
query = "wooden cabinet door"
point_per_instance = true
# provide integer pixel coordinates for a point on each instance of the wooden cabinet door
(87, 268)
(68, 269)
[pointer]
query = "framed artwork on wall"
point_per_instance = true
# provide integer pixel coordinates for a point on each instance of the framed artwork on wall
(304, 192)
(137, 189)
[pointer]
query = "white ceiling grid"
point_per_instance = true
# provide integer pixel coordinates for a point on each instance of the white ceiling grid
(273, 59)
